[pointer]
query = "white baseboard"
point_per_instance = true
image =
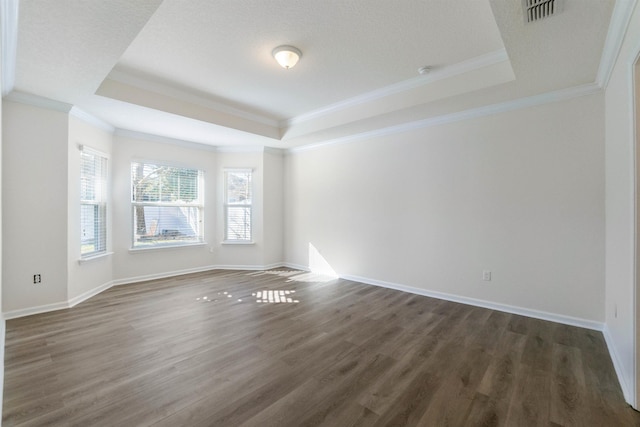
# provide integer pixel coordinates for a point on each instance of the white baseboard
(627, 390)
(86, 295)
(295, 266)
(248, 267)
(537, 314)
(118, 282)
(568, 320)
(167, 274)
(22, 312)
(164, 275)
(56, 306)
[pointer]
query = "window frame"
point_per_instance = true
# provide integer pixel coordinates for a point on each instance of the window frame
(199, 204)
(100, 204)
(227, 205)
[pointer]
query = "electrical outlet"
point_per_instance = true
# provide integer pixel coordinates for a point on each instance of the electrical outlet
(615, 310)
(486, 275)
(37, 278)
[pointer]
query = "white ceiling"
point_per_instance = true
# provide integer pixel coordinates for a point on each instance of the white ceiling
(223, 48)
(202, 71)
(66, 48)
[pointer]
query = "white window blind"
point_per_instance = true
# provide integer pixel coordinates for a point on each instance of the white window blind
(93, 203)
(167, 205)
(238, 205)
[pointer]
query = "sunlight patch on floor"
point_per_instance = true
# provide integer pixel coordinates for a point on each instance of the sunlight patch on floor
(275, 297)
(224, 294)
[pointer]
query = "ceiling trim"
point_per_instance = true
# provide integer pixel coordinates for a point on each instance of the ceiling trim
(38, 101)
(241, 149)
(274, 150)
(413, 83)
(531, 101)
(9, 38)
(91, 119)
(165, 89)
(620, 19)
(125, 133)
(154, 100)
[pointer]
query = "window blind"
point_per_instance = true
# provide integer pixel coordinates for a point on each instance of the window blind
(238, 205)
(167, 205)
(93, 203)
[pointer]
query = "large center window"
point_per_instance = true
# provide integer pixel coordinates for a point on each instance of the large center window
(167, 205)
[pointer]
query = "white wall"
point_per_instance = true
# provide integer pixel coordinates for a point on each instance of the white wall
(273, 207)
(34, 206)
(135, 265)
(620, 215)
(2, 321)
(519, 193)
(637, 227)
(92, 274)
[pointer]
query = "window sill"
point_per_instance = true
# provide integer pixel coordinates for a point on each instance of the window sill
(94, 257)
(238, 242)
(160, 247)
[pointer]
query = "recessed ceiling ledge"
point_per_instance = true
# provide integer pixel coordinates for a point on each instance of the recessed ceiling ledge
(145, 98)
(434, 75)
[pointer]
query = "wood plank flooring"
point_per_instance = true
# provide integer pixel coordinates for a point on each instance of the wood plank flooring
(286, 348)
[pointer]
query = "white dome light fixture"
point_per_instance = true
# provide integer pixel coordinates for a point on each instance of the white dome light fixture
(287, 56)
(423, 71)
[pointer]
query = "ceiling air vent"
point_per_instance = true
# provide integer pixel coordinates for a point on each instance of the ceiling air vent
(535, 10)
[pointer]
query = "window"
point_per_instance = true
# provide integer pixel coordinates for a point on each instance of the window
(93, 203)
(237, 205)
(167, 205)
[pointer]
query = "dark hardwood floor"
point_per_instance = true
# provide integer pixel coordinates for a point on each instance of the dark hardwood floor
(284, 348)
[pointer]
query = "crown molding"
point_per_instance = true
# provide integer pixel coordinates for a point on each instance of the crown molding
(531, 101)
(250, 149)
(240, 149)
(9, 38)
(91, 119)
(618, 25)
(413, 83)
(38, 101)
(274, 151)
(125, 133)
(165, 89)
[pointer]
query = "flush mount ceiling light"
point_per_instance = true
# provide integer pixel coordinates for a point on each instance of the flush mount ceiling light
(287, 56)
(424, 70)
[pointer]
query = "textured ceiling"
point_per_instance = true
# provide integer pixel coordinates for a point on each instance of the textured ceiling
(201, 70)
(223, 48)
(67, 47)
(557, 52)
